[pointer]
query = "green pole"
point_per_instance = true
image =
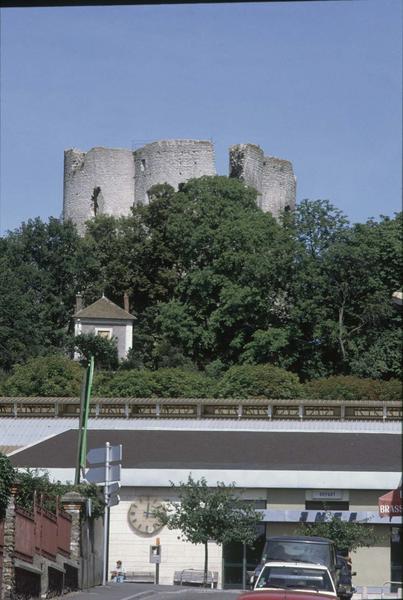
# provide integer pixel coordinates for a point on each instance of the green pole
(84, 413)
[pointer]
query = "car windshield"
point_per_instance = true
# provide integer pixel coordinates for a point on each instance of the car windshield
(290, 551)
(295, 577)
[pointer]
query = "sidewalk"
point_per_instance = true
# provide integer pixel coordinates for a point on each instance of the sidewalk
(376, 593)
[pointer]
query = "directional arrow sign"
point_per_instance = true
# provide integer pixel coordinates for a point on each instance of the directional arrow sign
(98, 474)
(113, 488)
(98, 455)
(113, 501)
(112, 494)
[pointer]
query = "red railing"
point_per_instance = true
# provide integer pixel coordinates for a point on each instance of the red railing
(24, 535)
(45, 532)
(41, 532)
(63, 532)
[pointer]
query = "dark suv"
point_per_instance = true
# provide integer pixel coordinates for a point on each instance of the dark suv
(300, 548)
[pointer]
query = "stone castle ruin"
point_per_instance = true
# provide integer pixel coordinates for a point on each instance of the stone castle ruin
(111, 180)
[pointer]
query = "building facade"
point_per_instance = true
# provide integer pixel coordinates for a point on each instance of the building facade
(291, 475)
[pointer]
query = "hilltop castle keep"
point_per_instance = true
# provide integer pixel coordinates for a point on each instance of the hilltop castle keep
(111, 180)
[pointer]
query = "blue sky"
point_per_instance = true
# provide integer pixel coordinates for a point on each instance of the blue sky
(318, 83)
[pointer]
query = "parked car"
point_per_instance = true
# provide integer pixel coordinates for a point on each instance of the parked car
(296, 576)
(310, 549)
(345, 588)
(284, 595)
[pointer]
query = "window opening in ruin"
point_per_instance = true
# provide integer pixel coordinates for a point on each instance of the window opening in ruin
(287, 208)
(143, 164)
(94, 200)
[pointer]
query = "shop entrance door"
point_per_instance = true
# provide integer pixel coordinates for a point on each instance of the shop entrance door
(233, 560)
(396, 553)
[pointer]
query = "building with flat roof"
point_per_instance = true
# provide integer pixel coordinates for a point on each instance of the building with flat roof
(290, 474)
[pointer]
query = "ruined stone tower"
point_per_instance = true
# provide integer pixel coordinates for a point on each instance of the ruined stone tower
(110, 180)
(273, 178)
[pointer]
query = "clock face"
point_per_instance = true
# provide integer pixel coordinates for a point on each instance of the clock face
(141, 515)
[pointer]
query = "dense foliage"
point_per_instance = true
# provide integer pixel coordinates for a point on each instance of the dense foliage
(59, 376)
(34, 485)
(259, 381)
(7, 475)
(340, 387)
(164, 383)
(347, 536)
(214, 282)
(44, 376)
(104, 351)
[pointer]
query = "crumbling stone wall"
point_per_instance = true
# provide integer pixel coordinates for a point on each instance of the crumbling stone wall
(170, 161)
(246, 164)
(278, 186)
(97, 182)
(111, 180)
(273, 178)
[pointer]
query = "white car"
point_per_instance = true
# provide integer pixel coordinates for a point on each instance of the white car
(296, 576)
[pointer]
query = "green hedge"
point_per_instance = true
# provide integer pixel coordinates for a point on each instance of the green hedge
(164, 383)
(259, 381)
(59, 376)
(340, 387)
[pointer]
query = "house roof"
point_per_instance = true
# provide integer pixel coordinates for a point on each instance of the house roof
(103, 309)
(231, 450)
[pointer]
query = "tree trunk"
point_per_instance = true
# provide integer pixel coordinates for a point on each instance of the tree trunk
(341, 342)
(244, 567)
(205, 564)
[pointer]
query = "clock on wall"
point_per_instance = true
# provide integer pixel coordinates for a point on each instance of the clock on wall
(141, 516)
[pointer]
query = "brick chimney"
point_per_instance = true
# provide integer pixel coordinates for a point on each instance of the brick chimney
(126, 302)
(79, 302)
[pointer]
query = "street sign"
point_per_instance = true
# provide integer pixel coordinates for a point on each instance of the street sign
(113, 501)
(113, 497)
(113, 488)
(98, 455)
(100, 475)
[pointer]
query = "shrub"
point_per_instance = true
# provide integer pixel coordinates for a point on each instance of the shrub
(104, 351)
(259, 381)
(7, 475)
(31, 481)
(350, 387)
(165, 383)
(134, 383)
(45, 376)
(179, 383)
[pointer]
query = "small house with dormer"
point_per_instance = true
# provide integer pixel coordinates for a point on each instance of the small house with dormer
(106, 319)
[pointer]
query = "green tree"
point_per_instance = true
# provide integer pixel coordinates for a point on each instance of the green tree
(7, 475)
(203, 514)
(104, 351)
(346, 535)
(44, 376)
(233, 265)
(40, 274)
(362, 272)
